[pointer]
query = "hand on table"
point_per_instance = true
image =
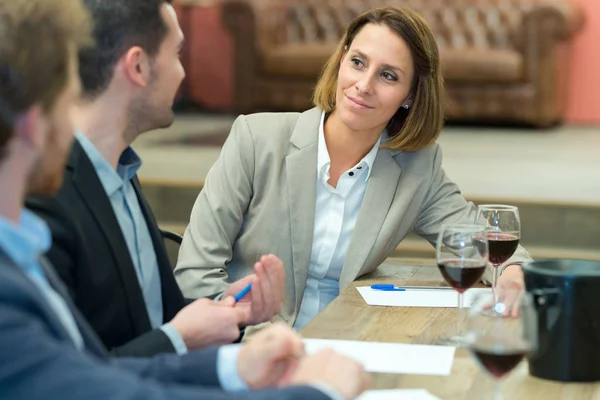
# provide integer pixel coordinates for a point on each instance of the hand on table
(275, 357)
(270, 357)
(344, 375)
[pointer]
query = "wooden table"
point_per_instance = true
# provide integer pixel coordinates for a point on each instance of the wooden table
(349, 318)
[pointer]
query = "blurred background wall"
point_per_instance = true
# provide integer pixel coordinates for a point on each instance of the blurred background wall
(583, 104)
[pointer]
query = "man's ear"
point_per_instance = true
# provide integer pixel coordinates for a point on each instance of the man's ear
(31, 127)
(136, 66)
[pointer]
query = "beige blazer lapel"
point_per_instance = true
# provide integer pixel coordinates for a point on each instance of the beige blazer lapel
(379, 195)
(301, 170)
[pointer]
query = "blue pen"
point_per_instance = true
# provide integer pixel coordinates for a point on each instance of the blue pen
(244, 292)
(387, 287)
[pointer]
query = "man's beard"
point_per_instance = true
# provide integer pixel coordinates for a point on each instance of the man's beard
(145, 116)
(147, 112)
(46, 177)
(43, 182)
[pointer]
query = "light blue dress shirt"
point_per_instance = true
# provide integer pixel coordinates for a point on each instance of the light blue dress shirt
(335, 216)
(25, 244)
(119, 189)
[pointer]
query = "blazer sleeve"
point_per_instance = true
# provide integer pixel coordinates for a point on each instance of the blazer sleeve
(444, 204)
(147, 345)
(34, 364)
(217, 217)
(64, 256)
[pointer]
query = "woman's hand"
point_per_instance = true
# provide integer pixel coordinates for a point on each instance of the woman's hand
(511, 286)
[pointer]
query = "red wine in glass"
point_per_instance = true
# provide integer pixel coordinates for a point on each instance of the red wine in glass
(462, 274)
(499, 361)
(501, 246)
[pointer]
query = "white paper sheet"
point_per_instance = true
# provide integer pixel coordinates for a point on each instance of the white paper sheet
(398, 394)
(418, 297)
(394, 358)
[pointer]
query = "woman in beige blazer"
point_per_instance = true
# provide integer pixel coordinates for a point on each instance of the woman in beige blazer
(332, 191)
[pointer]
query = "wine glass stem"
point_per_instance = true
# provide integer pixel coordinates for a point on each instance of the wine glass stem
(459, 315)
(495, 282)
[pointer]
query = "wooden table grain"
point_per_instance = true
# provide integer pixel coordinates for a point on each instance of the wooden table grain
(348, 317)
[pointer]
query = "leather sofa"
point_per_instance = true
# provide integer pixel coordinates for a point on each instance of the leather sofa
(503, 60)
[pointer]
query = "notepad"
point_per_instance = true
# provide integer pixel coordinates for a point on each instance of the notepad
(394, 358)
(398, 394)
(413, 297)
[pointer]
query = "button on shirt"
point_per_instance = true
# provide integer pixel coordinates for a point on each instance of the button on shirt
(119, 189)
(24, 244)
(335, 216)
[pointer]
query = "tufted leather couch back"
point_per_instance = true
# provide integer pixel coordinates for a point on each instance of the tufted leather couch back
(501, 59)
(456, 23)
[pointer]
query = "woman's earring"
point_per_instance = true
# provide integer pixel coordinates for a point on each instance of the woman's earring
(406, 106)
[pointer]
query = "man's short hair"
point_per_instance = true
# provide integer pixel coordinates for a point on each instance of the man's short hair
(38, 37)
(118, 26)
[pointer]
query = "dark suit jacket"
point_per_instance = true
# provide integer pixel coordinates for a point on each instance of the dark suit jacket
(90, 254)
(39, 361)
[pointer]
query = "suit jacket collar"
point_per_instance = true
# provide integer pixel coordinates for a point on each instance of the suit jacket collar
(301, 173)
(379, 196)
(89, 187)
(306, 131)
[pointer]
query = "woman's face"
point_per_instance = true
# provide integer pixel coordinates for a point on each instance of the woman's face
(374, 80)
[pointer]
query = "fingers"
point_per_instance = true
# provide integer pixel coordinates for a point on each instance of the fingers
(510, 293)
(276, 274)
(278, 271)
(238, 286)
(258, 301)
(283, 340)
(280, 283)
(266, 296)
(289, 343)
(268, 285)
(227, 302)
(290, 368)
(516, 308)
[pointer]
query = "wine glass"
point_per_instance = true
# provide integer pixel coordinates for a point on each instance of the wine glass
(499, 344)
(503, 231)
(462, 256)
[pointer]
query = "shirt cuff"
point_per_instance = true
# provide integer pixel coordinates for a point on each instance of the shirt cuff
(327, 391)
(175, 338)
(227, 370)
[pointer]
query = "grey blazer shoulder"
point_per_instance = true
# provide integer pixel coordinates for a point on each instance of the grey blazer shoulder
(259, 198)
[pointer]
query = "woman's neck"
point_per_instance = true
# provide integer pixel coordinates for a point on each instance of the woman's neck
(345, 146)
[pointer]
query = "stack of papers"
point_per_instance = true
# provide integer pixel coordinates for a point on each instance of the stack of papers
(398, 394)
(394, 358)
(415, 297)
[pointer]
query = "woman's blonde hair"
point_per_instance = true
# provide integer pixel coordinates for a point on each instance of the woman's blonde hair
(420, 125)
